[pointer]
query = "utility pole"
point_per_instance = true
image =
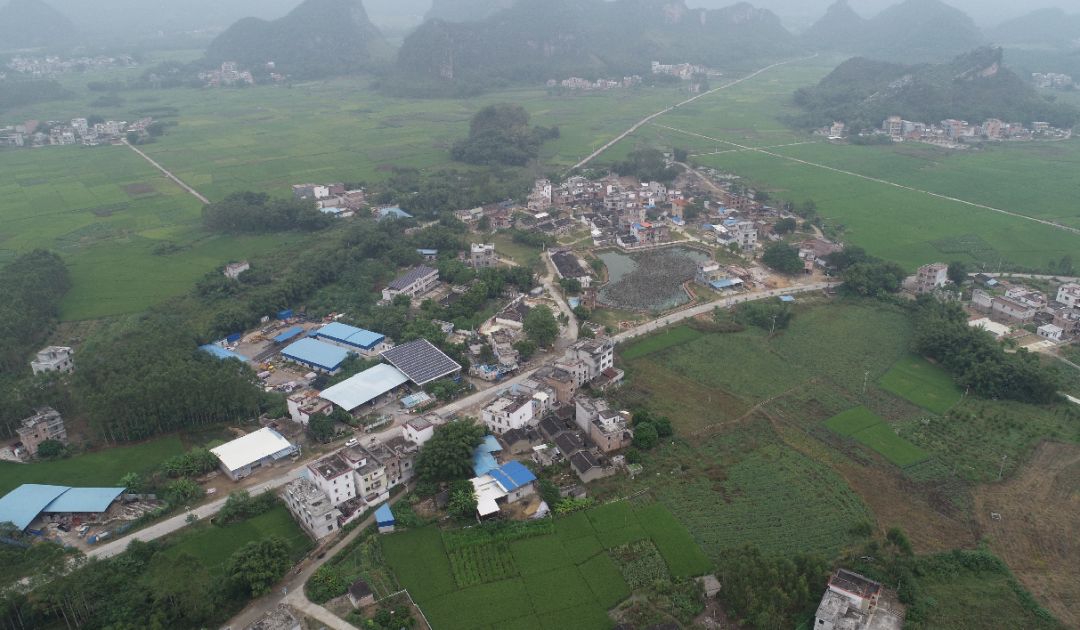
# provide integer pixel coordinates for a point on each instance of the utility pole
(773, 330)
(1001, 472)
(865, 382)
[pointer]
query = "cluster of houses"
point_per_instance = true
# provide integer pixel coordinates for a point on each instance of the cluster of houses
(685, 71)
(333, 199)
(52, 65)
(954, 132)
(548, 419)
(585, 85)
(1005, 304)
(77, 131)
(1052, 80)
(227, 75)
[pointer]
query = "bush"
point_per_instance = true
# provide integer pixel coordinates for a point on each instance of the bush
(51, 449)
(240, 506)
(783, 258)
(328, 582)
(764, 314)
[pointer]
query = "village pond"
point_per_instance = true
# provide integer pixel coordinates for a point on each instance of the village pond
(649, 281)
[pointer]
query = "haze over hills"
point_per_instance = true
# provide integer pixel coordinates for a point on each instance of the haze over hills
(1043, 28)
(975, 86)
(466, 10)
(545, 39)
(33, 23)
(318, 38)
(912, 31)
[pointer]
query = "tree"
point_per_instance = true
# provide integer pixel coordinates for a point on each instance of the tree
(766, 592)
(51, 449)
(847, 257)
(525, 349)
(462, 500)
(484, 224)
(255, 567)
(321, 427)
(785, 226)
(448, 454)
(875, 278)
(645, 436)
(570, 286)
(680, 154)
(958, 272)
(783, 258)
(541, 327)
(182, 590)
(764, 314)
(183, 491)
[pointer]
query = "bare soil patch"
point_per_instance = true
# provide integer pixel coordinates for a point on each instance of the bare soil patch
(137, 190)
(1037, 531)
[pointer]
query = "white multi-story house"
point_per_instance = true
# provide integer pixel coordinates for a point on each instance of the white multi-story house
(509, 412)
(1069, 295)
(333, 475)
(414, 282)
(311, 507)
(54, 359)
(931, 277)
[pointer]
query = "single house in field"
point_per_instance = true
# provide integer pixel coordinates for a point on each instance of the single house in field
(855, 602)
(233, 270)
(244, 455)
(54, 359)
(414, 282)
(384, 518)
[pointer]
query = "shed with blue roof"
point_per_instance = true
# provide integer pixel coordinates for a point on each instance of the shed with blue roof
(289, 334)
(384, 518)
(218, 352)
(23, 504)
(352, 338)
(316, 355)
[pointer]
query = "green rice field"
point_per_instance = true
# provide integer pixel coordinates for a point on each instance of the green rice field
(546, 578)
(923, 383)
(863, 426)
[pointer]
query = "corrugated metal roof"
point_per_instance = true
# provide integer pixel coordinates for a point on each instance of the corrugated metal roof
(406, 279)
(421, 361)
(84, 500)
(351, 335)
(512, 475)
(383, 515)
(364, 387)
(251, 448)
(288, 334)
(22, 505)
(316, 353)
(221, 353)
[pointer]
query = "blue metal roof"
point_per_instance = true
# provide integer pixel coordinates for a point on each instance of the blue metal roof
(288, 334)
(80, 500)
(725, 283)
(383, 515)
(351, 335)
(787, 298)
(316, 353)
(513, 475)
(427, 252)
(22, 505)
(490, 445)
(221, 353)
(483, 462)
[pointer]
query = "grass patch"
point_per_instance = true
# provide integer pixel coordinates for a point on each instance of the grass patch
(868, 429)
(101, 468)
(572, 527)
(213, 545)
(670, 338)
(678, 548)
(477, 607)
(582, 548)
(624, 536)
(605, 580)
(579, 618)
(611, 517)
(923, 383)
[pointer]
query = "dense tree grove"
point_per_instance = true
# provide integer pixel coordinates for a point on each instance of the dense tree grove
(783, 258)
(428, 194)
(541, 327)
(769, 593)
(765, 314)
(255, 213)
(647, 165)
(500, 135)
(447, 456)
(874, 278)
(32, 285)
(976, 360)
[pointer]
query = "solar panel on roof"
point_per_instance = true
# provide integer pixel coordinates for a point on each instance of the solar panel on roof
(421, 361)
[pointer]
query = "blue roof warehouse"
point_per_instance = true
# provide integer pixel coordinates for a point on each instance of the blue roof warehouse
(317, 355)
(352, 338)
(24, 504)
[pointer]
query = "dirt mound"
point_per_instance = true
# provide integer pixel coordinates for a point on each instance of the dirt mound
(1033, 523)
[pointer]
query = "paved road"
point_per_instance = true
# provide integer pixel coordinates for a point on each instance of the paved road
(167, 173)
(702, 309)
(644, 121)
(878, 180)
(570, 333)
(1032, 276)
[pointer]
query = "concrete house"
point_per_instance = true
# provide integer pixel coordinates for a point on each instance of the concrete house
(54, 359)
(854, 602)
(1012, 309)
(608, 429)
(483, 256)
(311, 508)
(931, 277)
(333, 475)
(1069, 295)
(233, 270)
(45, 424)
(508, 412)
(418, 431)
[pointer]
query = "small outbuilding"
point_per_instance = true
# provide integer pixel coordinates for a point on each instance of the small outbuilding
(384, 518)
(360, 594)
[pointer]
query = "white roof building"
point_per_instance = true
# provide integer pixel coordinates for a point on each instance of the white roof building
(365, 387)
(242, 456)
(990, 326)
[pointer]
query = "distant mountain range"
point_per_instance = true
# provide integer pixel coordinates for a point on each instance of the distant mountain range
(912, 31)
(316, 39)
(1044, 28)
(975, 86)
(545, 39)
(466, 10)
(32, 24)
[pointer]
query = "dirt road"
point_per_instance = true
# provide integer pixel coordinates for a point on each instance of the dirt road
(179, 182)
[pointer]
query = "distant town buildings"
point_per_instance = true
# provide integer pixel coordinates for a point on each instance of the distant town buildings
(685, 71)
(52, 65)
(1052, 80)
(931, 277)
(954, 133)
(229, 74)
(76, 131)
(585, 85)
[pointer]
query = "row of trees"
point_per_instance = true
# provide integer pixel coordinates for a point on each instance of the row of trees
(976, 360)
(257, 213)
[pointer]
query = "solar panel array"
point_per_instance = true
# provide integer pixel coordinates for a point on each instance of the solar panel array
(421, 361)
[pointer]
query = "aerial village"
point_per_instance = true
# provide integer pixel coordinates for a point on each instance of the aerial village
(644, 252)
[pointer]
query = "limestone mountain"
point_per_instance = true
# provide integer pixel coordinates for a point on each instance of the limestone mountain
(841, 28)
(466, 10)
(974, 86)
(35, 24)
(1045, 28)
(318, 38)
(536, 40)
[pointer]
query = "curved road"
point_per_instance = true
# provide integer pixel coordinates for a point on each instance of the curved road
(644, 121)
